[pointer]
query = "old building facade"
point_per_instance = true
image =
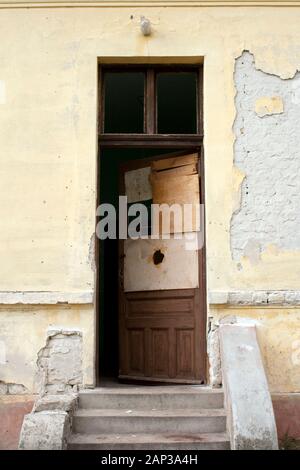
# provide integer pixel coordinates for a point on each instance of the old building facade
(53, 57)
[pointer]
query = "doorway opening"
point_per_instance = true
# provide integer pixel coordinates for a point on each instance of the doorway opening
(110, 162)
(146, 113)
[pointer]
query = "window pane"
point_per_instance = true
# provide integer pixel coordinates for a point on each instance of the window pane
(124, 102)
(176, 102)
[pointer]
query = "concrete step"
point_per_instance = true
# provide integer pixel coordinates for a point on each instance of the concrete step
(147, 398)
(166, 441)
(99, 421)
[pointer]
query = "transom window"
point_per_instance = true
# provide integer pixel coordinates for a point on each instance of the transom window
(151, 101)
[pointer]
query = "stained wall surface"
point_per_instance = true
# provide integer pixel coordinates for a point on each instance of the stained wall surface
(48, 122)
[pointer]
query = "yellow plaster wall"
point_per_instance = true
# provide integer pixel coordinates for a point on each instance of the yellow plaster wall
(278, 336)
(48, 130)
(23, 335)
(48, 149)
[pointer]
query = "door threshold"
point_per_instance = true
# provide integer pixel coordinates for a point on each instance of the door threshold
(158, 381)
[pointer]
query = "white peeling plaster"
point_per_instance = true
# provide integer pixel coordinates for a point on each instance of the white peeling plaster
(45, 297)
(267, 150)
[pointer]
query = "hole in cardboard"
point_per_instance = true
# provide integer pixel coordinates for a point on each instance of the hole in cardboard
(158, 257)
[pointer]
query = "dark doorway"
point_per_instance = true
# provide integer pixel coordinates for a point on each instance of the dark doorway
(110, 161)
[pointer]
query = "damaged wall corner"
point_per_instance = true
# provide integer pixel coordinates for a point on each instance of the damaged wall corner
(60, 362)
(214, 350)
(214, 356)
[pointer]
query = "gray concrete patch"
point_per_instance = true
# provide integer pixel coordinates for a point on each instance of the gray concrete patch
(256, 298)
(46, 430)
(12, 389)
(214, 357)
(66, 403)
(48, 426)
(251, 421)
(60, 362)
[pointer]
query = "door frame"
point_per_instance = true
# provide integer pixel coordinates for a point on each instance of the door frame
(179, 142)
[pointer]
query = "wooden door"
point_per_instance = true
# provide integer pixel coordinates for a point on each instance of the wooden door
(161, 284)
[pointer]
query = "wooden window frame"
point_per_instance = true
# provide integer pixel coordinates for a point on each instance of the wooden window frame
(150, 138)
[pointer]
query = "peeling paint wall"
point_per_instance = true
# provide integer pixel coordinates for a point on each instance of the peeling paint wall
(278, 337)
(267, 151)
(48, 122)
(23, 333)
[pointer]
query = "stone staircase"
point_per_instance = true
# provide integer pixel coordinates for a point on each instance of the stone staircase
(150, 417)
